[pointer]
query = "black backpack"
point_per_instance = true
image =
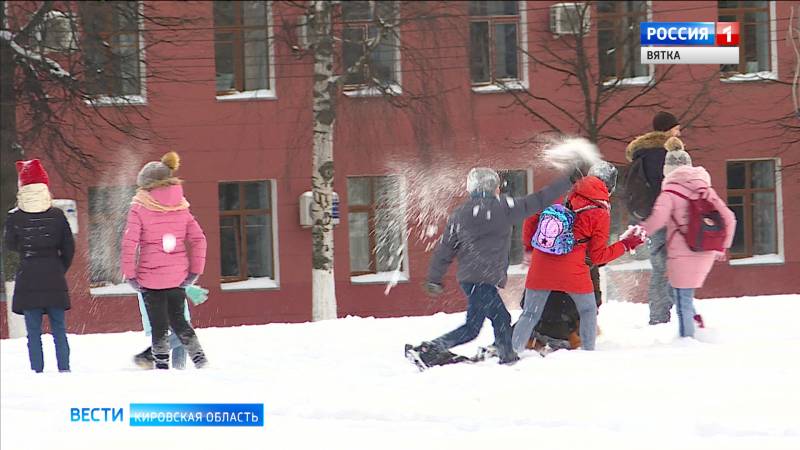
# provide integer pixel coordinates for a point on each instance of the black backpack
(638, 196)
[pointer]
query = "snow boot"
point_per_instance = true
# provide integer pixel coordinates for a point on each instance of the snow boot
(698, 319)
(144, 359)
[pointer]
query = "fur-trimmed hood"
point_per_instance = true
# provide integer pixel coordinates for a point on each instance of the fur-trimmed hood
(651, 140)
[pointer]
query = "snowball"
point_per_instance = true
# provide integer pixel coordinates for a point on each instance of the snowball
(168, 242)
(569, 152)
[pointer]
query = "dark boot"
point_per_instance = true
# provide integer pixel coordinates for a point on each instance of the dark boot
(144, 359)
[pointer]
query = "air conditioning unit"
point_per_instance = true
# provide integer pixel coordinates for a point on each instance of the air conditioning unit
(565, 18)
(306, 200)
(56, 33)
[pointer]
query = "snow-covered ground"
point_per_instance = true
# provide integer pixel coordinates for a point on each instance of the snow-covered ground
(344, 384)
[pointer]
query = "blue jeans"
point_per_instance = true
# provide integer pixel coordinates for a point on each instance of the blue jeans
(178, 351)
(684, 306)
(483, 301)
(532, 313)
(33, 324)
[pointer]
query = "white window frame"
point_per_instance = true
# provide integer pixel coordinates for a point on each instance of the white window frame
(262, 283)
(769, 75)
(771, 259)
(521, 269)
(522, 84)
(259, 94)
(645, 80)
(130, 100)
(394, 276)
(393, 89)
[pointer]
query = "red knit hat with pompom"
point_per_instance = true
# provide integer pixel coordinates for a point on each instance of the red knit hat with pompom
(30, 172)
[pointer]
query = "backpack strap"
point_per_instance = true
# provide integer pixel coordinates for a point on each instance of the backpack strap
(677, 225)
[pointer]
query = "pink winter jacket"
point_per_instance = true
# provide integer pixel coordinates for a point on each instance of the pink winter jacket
(159, 229)
(685, 268)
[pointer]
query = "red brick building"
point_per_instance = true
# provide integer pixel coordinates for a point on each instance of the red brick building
(239, 113)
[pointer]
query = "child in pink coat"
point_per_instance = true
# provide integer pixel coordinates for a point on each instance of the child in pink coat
(159, 228)
(686, 269)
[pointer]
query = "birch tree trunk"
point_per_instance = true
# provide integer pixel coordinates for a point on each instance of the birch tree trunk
(322, 280)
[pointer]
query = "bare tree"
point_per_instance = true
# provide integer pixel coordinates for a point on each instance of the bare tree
(603, 100)
(69, 69)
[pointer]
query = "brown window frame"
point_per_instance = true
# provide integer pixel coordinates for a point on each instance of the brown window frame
(238, 42)
(108, 15)
(747, 204)
(620, 66)
(241, 233)
(371, 223)
(740, 13)
(493, 20)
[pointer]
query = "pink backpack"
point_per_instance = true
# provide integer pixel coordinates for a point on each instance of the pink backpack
(705, 230)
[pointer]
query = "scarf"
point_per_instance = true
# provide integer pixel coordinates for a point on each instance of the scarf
(34, 198)
(144, 198)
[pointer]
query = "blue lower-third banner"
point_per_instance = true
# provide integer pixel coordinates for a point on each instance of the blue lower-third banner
(197, 415)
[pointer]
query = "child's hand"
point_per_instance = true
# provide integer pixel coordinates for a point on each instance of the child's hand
(134, 284)
(433, 289)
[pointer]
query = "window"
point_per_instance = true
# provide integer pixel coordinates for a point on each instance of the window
(376, 224)
(751, 196)
(618, 39)
(241, 46)
(361, 26)
(245, 230)
(754, 41)
(514, 183)
(111, 48)
(494, 38)
(108, 214)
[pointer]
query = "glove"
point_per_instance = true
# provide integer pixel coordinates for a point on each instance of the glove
(196, 294)
(721, 256)
(134, 284)
(433, 289)
(632, 241)
(190, 279)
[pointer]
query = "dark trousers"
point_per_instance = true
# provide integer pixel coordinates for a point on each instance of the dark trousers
(33, 324)
(483, 301)
(165, 311)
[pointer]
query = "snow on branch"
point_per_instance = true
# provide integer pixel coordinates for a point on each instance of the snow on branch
(53, 67)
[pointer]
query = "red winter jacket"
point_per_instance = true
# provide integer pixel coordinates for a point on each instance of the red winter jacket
(569, 273)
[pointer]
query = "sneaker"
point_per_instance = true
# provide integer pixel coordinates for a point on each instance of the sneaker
(698, 319)
(144, 359)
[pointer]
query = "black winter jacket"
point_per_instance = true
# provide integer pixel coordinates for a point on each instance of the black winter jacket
(650, 148)
(46, 247)
(478, 234)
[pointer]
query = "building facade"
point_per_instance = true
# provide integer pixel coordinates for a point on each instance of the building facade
(454, 85)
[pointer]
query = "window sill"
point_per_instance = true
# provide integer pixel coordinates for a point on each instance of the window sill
(758, 260)
(499, 88)
(629, 82)
(372, 91)
(253, 284)
(113, 290)
(750, 77)
(380, 278)
(260, 94)
(517, 269)
(125, 100)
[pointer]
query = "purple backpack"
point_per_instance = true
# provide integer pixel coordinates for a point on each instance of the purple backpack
(554, 233)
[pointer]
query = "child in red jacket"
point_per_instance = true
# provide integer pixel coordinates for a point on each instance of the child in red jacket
(569, 273)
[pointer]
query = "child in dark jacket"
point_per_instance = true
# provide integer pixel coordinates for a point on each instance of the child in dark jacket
(43, 239)
(478, 236)
(569, 273)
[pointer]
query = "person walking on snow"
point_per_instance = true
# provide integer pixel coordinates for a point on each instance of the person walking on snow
(478, 236)
(643, 184)
(686, 269)
(41, 235)
(590, 200)
(159, 228)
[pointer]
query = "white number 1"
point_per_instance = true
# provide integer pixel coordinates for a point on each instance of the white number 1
(727, 31)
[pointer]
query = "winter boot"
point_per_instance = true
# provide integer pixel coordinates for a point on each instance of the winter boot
(144, 359)
(698, 319)
(162, 361)
(200, 361)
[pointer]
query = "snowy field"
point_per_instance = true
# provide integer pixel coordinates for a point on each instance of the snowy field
(344, 384)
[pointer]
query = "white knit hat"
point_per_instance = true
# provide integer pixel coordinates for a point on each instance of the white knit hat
(482, 179)
(676, 155)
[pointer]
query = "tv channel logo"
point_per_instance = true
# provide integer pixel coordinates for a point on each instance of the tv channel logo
(689, 42)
